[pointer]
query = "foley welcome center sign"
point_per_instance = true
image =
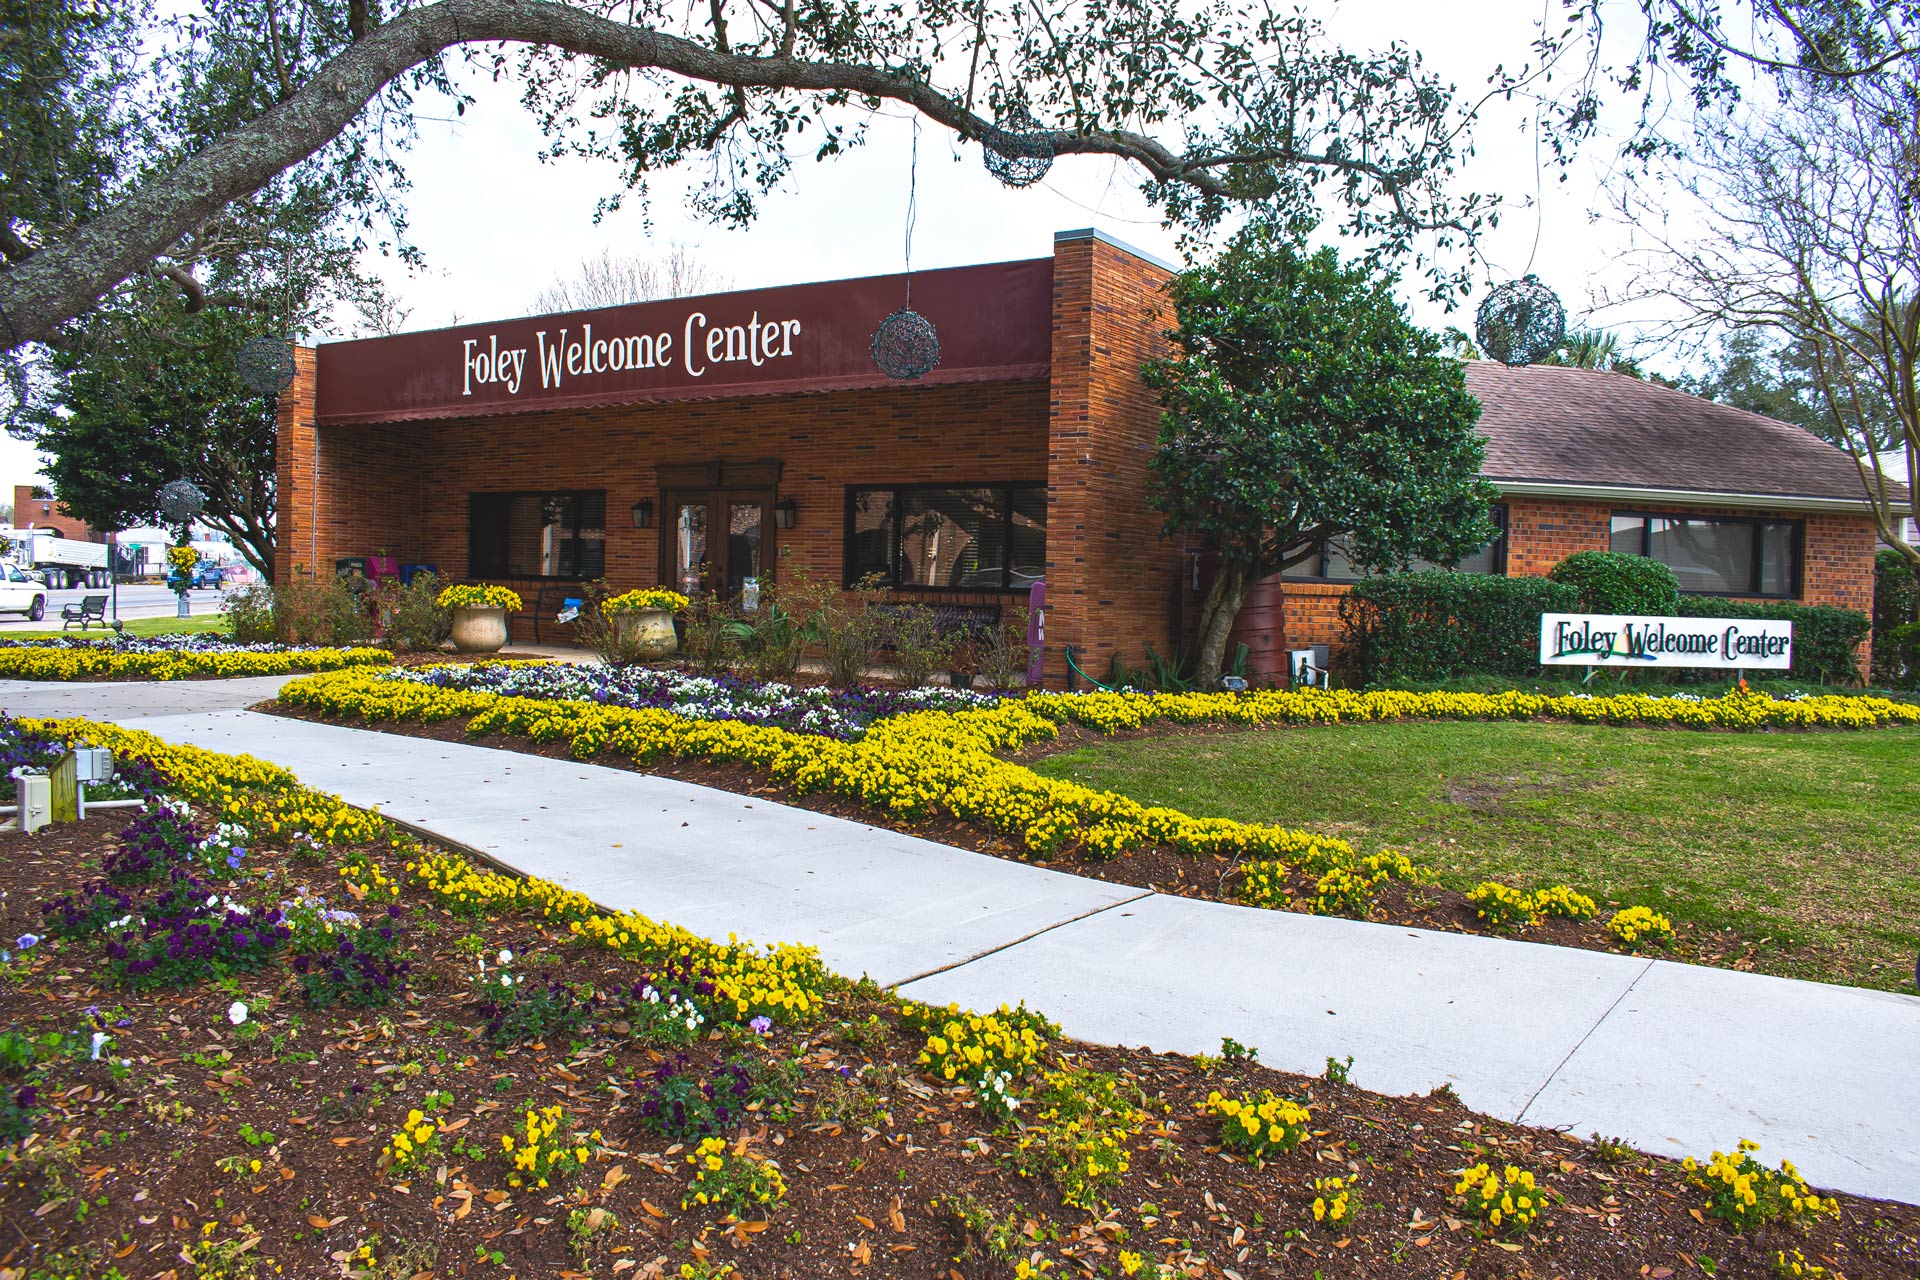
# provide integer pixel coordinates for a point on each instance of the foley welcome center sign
(1614, 640)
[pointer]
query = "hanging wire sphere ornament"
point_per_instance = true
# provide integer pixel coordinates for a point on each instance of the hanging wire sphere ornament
(1016, 150)
(1520, 322)
(265, 365)
(905, 345)
(181, 501)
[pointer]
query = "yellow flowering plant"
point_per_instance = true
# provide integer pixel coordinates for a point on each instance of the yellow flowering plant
(1508, 1200)
(1637, 927)
(104, 662)
(1501, 906)
(546, 1147)
(1333, 1200)
(732, 1178)
(1742, 1192)
(483, 595)
(1078, 1137)
(1564, 903)
(992, 1052)
(1260, 1126)
(414, 1147)
(646, 598)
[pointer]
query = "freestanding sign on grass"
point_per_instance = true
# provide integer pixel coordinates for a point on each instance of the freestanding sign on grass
(1616, 640)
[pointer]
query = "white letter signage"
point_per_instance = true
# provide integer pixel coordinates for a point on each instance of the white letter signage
(1613, 640)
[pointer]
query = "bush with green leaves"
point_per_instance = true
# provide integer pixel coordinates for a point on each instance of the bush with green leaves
(919, 646)
(250, 614)
(411, 618)
(1826, 640)
(1896, 622)
(1437, 625)
(1611, 582)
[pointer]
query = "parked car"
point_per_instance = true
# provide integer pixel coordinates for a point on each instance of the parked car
(208, 577)
(21, 594)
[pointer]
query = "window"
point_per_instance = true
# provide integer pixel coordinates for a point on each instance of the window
(1719, 555)
(1332, 562)
(537, 535)
(977, 538)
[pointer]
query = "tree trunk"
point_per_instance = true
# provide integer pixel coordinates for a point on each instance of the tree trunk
(1224, 598)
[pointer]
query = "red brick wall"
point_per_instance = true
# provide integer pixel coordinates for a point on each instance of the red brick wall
(45, 513)
(1112, 581)
(404, 486)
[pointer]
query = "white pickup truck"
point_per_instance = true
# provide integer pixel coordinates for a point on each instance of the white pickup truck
(21, 594)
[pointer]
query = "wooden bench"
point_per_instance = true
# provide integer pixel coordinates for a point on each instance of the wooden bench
(90, 610)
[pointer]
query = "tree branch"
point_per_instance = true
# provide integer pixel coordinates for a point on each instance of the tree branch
(67, 276)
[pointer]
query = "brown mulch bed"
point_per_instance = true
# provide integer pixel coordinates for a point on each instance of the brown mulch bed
(120, 1170)
(1161, 869)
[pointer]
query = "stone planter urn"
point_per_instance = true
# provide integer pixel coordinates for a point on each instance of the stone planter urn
(648, 633)
(477, 630)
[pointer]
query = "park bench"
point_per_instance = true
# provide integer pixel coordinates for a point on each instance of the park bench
(90, 610)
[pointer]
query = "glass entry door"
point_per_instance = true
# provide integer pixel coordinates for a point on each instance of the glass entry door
(718, 542)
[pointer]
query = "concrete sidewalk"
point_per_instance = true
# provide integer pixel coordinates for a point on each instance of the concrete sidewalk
(1674, 1058)
(119, 699)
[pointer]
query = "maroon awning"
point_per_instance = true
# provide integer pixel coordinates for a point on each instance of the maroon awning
(995, 324)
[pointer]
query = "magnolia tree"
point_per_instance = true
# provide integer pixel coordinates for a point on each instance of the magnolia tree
(1301, 404)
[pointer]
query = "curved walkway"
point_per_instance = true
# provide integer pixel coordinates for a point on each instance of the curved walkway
(1676, 1059)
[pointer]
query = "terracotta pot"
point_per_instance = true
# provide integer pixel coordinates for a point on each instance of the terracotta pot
(649, 632)
(479, 630)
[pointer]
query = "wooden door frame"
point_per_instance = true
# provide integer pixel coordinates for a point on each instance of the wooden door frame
(717, 483)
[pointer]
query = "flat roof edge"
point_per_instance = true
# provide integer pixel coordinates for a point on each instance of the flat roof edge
(1095, 233)
(1679, 497)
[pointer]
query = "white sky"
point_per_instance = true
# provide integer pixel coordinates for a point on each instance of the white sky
(496, 225)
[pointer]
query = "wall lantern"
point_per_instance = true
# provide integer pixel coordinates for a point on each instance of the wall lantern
(783, 513)
(643, 514)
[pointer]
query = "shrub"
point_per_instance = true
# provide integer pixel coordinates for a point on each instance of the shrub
(309, 610)
(250, 615)
(411, 615)
(1436, 625)
(707, 636)
(1824, 638)
(1004, 651)
(1258, 1127)
(912, 631)
(597, 626)
(1896, 604)
(850, 634)
(1610, 582)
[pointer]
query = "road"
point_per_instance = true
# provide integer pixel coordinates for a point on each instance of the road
(135, 602)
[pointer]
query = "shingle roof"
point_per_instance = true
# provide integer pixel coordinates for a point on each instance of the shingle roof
(1548, 424)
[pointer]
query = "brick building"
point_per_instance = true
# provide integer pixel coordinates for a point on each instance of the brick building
(691, 442)
(35, 508)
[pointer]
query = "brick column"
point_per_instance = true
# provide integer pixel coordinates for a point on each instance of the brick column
(1111, 578)
(296, 459)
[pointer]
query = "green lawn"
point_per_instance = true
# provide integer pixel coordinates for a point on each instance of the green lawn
(1805, 846)
(197, 624)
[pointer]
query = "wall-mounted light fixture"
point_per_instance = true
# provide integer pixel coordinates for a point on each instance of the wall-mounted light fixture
(643, 514)
(784, 512)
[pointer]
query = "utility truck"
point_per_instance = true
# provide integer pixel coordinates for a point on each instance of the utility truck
(66, 562)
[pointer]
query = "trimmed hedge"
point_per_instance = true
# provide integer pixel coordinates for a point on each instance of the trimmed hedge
(1417, 627)
(1609, 582)
(1438, 624)
(1824, 637)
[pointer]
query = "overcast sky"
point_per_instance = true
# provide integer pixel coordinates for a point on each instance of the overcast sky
(496, 225)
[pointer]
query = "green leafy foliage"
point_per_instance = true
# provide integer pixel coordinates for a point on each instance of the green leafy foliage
(1301, 403)
(1610, 582)
(1825, 639)
(1434, 625)
(1896, 634)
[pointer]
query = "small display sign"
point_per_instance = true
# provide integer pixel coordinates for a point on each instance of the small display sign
(1616, 640)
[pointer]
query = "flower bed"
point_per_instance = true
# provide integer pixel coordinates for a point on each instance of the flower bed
(169, 657)
(834, 713)
(510, 1084)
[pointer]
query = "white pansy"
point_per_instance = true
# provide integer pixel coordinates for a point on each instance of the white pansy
(237, 1012)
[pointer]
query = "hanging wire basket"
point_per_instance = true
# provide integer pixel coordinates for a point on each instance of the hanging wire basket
(265, 365)
(1520, 322)
(1016, 149)
(181, 501)
(905, 345)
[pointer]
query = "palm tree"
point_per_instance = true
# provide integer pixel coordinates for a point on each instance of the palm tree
(1595, 349)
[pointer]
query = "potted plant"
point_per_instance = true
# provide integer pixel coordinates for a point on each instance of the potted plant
(479, 616)
(644, 619)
